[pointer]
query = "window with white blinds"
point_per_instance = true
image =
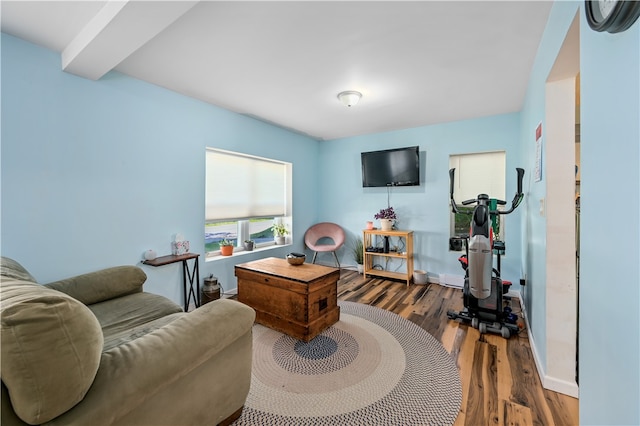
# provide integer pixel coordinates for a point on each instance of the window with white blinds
(241, 186)
(479, 173)
(476, 173)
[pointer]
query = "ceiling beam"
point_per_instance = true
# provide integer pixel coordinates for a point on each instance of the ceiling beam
(118, 30)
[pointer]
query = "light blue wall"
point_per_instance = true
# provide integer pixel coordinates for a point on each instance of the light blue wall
(609, 327)
(95, 173)
(425, 208)
(610, 223)
(534, 227)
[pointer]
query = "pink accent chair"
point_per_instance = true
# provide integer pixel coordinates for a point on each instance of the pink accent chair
(316, 238)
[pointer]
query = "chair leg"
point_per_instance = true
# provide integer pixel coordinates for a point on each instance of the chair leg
(315, 253)
(337, 261)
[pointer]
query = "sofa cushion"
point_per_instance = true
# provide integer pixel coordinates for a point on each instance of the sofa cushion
(130, 334)
(105, 284)
(130, 317)
(9, 268)
(117, 316)
(51, 349)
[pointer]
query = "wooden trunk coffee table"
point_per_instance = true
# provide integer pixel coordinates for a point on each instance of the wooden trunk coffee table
(300, 301)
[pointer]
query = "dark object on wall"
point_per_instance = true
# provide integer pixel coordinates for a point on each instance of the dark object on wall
(456, 243)
(391, 167)
(611, 16)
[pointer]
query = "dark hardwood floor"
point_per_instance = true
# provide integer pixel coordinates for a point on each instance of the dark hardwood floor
(500, 383)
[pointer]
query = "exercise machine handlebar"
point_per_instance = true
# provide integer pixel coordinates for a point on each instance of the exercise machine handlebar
(517, 199)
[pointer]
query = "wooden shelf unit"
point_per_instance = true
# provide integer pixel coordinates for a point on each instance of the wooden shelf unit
(368, 236)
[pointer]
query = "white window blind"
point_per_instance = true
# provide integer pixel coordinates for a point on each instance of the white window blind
(239, 186)
(479, 173)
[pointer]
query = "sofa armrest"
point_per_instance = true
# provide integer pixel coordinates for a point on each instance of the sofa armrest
(132, 373)
(102, 285)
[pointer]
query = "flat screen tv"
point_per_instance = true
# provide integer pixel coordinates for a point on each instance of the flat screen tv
(391, 167)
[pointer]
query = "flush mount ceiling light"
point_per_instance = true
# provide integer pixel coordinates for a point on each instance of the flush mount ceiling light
(350, 97)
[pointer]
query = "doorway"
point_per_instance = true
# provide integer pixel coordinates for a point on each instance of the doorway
(561, 117)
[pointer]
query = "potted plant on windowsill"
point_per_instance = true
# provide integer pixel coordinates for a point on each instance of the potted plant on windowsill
(279, 233)
(387, 218)
(358, 254)
(248, 245)
(226, 247)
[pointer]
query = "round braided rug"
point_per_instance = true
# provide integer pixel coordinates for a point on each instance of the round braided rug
(372, 367)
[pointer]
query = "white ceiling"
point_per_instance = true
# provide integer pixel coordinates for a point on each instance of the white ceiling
(416, 63)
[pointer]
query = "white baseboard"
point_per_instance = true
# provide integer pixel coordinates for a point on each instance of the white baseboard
(548, 382)
(561, 386)
(451, 280)
(231, 292)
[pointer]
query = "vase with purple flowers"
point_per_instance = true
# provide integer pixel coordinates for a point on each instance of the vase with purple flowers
(387, 218)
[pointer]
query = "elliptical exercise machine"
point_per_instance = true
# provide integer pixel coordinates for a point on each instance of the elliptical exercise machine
(484, 289)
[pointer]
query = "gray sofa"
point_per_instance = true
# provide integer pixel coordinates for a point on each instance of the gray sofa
(97, 350)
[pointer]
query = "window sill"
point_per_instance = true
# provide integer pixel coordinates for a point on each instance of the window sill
(240, 252)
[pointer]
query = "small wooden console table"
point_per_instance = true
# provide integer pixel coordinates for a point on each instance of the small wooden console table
(406, 255)
(300, 301)
(193, 276)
